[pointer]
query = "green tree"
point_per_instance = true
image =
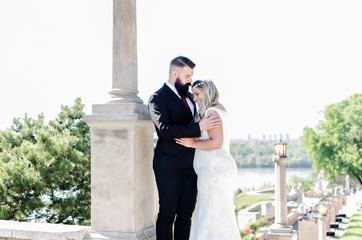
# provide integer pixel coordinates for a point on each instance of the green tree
(307, 183)
(297, 155)
(335, 144)
(45, 169)
(259, 154)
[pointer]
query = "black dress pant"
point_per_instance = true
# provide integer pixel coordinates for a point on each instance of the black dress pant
(177, 191)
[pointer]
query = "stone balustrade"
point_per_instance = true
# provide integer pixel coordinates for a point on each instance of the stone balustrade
(293, 217)
(313, 224)
(11, 230)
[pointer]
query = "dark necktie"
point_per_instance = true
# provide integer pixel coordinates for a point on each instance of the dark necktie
(186, 104)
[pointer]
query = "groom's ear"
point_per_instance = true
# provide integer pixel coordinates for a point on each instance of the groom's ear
(174, 74)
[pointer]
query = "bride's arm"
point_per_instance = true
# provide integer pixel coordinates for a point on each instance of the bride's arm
(216, 136)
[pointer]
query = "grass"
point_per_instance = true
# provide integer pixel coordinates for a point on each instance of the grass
(246, 237)
(354, 229)
(245, 200)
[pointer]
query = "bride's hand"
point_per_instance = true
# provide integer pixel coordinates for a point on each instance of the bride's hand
(187, 142)
(211, 121)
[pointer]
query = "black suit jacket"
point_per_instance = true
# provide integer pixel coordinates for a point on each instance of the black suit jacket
(172, 120)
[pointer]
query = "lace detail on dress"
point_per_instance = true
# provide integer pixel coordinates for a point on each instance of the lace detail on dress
(214, 217)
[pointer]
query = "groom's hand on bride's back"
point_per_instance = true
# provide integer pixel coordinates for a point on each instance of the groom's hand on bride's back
(209, 122)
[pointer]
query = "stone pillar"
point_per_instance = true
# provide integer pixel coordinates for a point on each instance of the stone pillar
(348, 185)
(124, 71)
(322, 227)
(332, 211)
(280, 229)
(267, 209)
(122, 180)
(281, 213)
(319, 186)
(300, 193)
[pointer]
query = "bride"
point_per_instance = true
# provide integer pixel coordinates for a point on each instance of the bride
(216, 171)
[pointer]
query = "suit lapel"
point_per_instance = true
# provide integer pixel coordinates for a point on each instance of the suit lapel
(173, 95)
(193, 102)
(176, 98)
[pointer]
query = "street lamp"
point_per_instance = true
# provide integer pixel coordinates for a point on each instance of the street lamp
(322, 210)
(280, 149)
(280, 228)
(322, 222)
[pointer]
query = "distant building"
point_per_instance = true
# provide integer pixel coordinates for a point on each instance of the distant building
(287, 137)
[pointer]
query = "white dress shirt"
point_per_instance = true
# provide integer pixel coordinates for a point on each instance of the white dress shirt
(191, 105)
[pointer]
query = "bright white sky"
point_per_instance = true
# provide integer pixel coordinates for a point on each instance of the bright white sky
(277, 64)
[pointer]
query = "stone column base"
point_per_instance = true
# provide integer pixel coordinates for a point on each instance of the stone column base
(281, 232)
(146, 234)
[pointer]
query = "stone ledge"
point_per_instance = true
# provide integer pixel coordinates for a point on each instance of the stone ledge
(41, 231)
(146, 234)
(120, 108)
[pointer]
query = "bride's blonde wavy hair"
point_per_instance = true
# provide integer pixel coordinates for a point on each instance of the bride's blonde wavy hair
(210, 97)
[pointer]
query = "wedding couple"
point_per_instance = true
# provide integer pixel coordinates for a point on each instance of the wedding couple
(192, 160)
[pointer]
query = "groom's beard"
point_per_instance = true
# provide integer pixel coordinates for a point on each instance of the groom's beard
(182, 89)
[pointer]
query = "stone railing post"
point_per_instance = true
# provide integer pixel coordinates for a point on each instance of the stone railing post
(348, 185)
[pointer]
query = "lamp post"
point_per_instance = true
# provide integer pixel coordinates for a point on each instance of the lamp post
(322, 210)
(322, 228)
(280, 229)
(280, 159)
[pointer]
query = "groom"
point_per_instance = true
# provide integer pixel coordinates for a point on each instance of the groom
(172, 109)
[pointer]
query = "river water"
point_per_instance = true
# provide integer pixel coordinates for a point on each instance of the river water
(255, 178)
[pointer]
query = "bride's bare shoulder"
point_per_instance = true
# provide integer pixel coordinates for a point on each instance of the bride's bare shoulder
(213, 111)
(220, 106)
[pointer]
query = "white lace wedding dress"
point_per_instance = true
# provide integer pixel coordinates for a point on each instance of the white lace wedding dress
(216, 170)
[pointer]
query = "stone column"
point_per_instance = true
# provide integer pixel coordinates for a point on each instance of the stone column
(280, 229)
(348, 185)
(122, 180)
(267, 210)
(332, 211)
(322, 227)
(300, 193)
(319, 186)
(281, 213)
(124, 71)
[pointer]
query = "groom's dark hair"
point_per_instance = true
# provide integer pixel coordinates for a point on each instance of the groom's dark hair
(182, 61)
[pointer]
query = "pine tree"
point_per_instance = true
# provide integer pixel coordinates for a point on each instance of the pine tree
(45, 169)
